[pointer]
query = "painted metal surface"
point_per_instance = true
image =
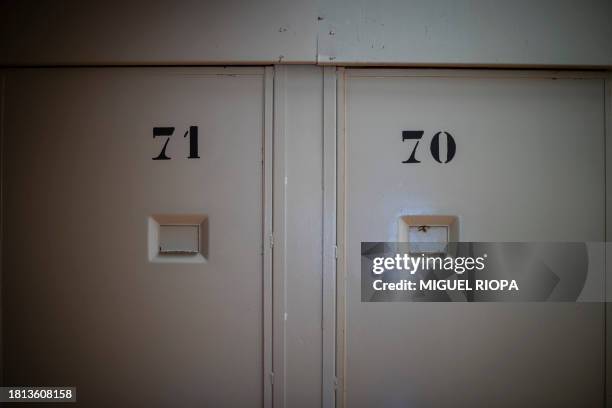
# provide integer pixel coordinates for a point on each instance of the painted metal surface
(157, 32)
(529, 166)
(83, 304)
(158, 324)
(302, 118)
(608, 142)
(330, 249)
(467, 32)
(413, 32)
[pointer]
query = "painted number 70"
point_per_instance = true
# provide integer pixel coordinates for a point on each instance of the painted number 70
(434, 146)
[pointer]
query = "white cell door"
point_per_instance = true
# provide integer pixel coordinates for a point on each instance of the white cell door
(133, 223)
(528, 166)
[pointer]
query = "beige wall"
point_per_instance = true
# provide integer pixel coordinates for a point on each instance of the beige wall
(420, 32)
(466, 32)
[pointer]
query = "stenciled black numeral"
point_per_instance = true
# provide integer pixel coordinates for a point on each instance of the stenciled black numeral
(450, 147)
(163, 131)
(168, 131)
(193, 142)
(434, 147)
(412, 135)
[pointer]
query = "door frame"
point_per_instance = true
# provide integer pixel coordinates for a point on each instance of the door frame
(267, 231)
(266, 73)
(334, 146)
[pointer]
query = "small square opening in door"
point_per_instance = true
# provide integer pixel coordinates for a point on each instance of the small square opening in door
(428, 234)
(178, 238)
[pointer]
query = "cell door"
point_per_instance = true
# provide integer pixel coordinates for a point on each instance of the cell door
(527, 164)
(135, 202)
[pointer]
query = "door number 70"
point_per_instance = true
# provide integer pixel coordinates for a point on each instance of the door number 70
(434, 146)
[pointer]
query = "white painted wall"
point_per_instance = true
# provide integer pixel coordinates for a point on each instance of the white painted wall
(157, 32)
(413, 32)
(466, 32)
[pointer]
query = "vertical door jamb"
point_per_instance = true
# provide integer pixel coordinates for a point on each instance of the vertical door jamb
(329, 379)
(608, 237)
(3, 75)
(340, 238)
(278, 238)
(268, 140)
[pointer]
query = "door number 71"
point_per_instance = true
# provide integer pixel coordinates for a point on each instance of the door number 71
(168, 132)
